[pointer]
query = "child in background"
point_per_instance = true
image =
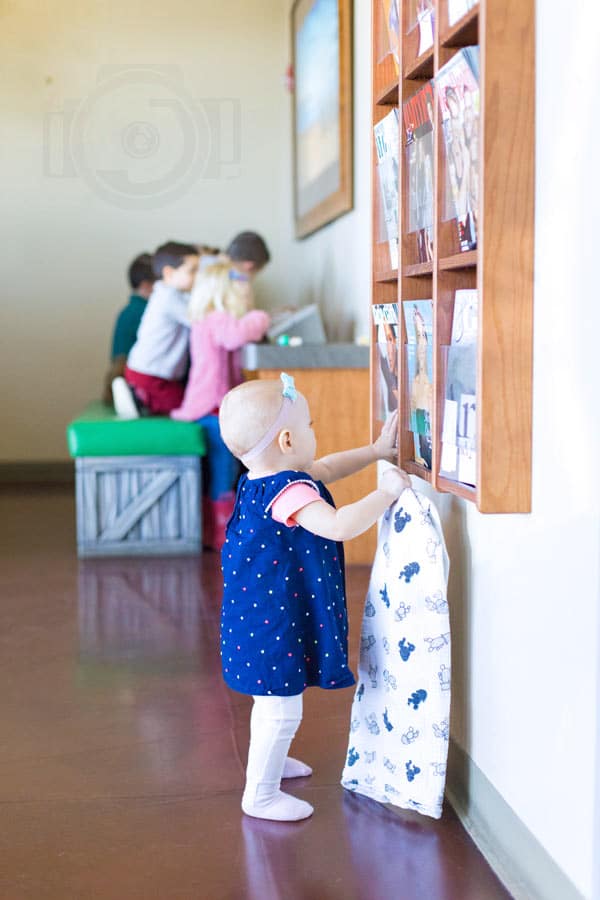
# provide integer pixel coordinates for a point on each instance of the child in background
(158, 361)
(247, 254)
(284, 621)
(141, 278)
(221, 324)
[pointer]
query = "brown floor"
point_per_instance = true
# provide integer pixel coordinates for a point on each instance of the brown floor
(122, 753)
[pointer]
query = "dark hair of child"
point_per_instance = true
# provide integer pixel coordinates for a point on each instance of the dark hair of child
(140, 270)
(248, 246)
(171, 254)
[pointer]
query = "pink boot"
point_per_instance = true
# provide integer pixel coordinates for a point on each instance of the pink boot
(223, 508)
(208, 523)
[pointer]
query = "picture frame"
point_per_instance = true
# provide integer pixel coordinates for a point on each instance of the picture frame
(322, 118)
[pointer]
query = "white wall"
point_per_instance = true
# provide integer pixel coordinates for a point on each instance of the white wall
(524, 589)
(65, 247)
(333, 264)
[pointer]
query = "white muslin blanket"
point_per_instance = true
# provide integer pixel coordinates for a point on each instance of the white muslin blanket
(399, 724)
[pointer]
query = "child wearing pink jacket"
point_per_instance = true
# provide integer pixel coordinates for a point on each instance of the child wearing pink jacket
(222, 322)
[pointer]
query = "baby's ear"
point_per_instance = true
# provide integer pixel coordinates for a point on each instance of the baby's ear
(284, 440)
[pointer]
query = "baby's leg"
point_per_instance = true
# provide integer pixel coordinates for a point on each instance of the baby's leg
(273, 724)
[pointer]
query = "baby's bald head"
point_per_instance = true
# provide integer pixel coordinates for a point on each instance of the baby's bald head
(247, 412)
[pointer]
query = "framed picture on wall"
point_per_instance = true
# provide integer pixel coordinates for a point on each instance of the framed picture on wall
(322, 112)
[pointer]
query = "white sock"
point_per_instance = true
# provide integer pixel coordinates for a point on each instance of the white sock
(276, 805)
(273, 724)
(293, 768)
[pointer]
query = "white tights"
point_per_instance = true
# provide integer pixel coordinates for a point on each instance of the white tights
(273, 724)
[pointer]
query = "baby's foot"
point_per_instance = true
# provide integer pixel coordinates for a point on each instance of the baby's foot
(293, 768)
(279, 807)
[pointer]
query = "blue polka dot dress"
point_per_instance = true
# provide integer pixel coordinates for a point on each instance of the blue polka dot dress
(284, 624)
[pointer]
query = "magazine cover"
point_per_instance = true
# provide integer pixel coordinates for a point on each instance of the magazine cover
(392, 21)
(385, 318)
(458, 92)
(387, 137)
(459, 432)
(418, 318)
(417, 120)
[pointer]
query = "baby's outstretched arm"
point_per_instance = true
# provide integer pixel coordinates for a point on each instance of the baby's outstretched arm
(340, 465)
(351, 520)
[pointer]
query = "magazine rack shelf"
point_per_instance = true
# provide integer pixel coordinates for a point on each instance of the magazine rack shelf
(501, 266)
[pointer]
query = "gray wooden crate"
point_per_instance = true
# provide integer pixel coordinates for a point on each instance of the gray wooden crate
(138, 505)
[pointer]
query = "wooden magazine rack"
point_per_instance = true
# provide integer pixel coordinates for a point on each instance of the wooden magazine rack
(501, 267)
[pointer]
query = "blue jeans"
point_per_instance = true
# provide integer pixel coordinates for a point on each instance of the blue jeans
(220, 469)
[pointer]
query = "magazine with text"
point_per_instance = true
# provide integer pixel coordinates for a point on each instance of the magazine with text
(387, 138)
(418, 319)
(417, 120)
(458, 93)
(385, 318)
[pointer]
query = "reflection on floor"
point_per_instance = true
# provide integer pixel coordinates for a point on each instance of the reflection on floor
(122, 753)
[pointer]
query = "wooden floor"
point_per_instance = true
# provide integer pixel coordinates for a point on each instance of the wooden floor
(122, 753)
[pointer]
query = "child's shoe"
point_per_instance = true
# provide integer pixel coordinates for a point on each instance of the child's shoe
(124, 400)
(222, 508)
(208, 524)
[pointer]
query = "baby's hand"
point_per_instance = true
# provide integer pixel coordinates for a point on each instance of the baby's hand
(385, 445)
(394, 481)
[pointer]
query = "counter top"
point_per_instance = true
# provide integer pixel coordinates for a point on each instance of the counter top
(307, 356)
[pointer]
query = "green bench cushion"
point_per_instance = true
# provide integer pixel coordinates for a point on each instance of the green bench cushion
(98, 432)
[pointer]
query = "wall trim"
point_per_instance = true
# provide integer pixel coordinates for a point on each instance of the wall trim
(37, 473)
(516, 856)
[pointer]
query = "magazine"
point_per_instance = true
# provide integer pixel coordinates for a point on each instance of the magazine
(387, 137)
(385, 318)
(421, 13)
(457, 9)
(458, 92)
(418, 318)
(417, 118)
(459, 431)
(392, 21)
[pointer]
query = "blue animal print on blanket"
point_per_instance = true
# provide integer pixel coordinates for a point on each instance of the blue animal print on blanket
(409, 571)
(373, 675)
(410, 736)
(402, 700)
(367, 642)
(411, 770)
(405, 649)
(390, 680)
(436, 603)
(444, 676)
(436, 643)
(372, 724)
(401, 612)
(401, 519)
(353, 756)
(417, 697)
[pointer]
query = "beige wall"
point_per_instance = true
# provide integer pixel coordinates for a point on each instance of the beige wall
(84, 189)
(334, 264)
(66, 241)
